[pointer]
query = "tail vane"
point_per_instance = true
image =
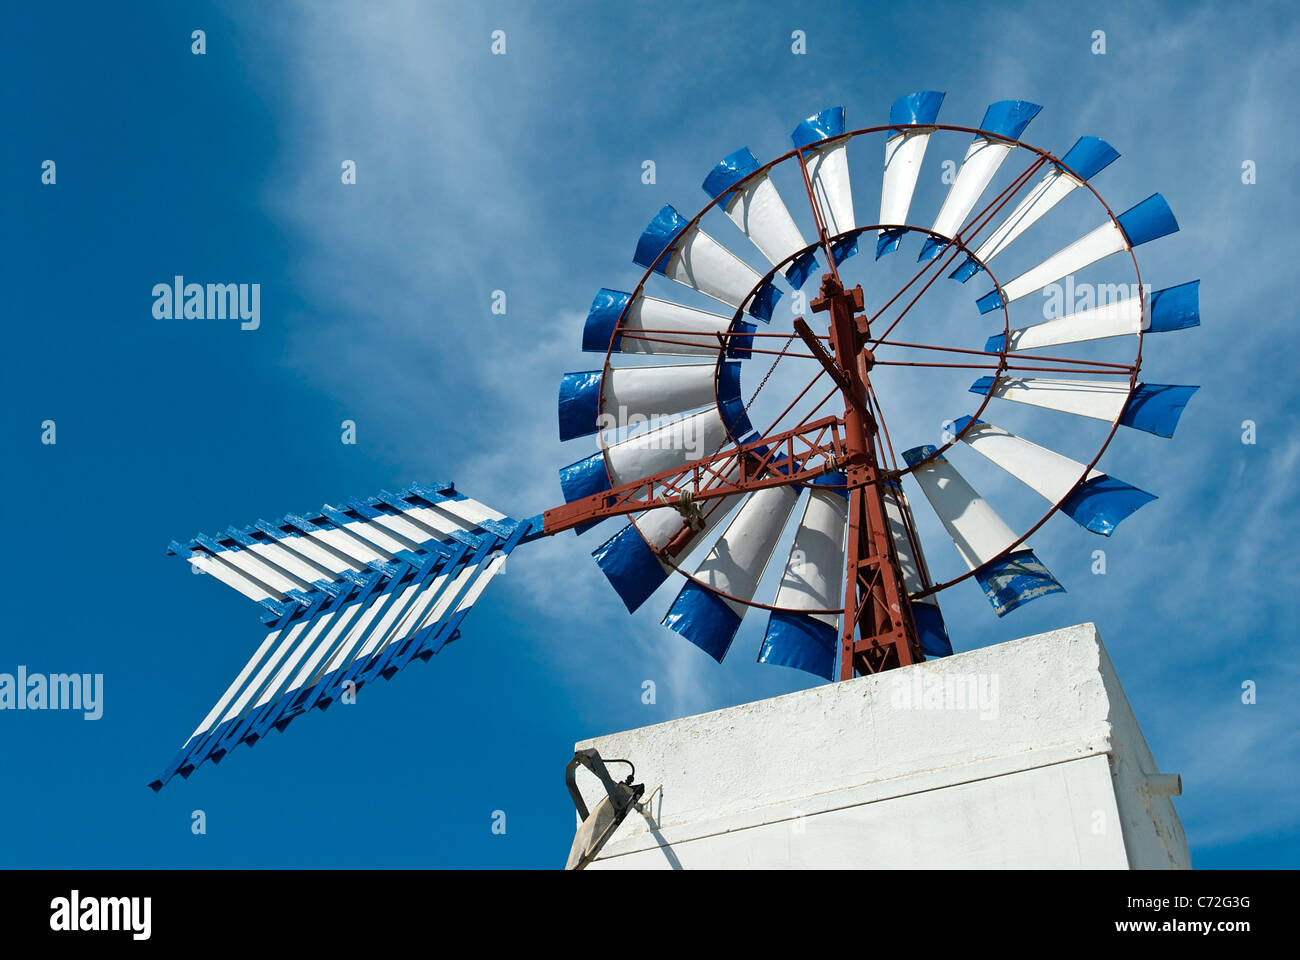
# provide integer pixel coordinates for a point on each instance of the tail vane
(351, 595)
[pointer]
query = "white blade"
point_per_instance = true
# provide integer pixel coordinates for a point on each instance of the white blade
(312, 552)
(642, 394)
(632, 396)
(1007, 118)
(301, 569)
(1173, 308)
(1117, 319)
(1098, 399)
(1096, 502)
(344, 543)
(1045, 195)
(221, 706)
(1084, 160)
(735, 566)
(1152, 407)
(828, 168)
(233, 577)
(698, 261)
(926, 615)
(904, 154)
(737, 561)
(976, 529)
(671, 445)
(1050, 474)
(703, 264)
(814, 571)
(241, 567)
(1146, 221)
(449, 516)
(1106, 240)
(980, 535)
(982, 160)
(660, 327)
(760, 213)
(812, 580)
(910, 559)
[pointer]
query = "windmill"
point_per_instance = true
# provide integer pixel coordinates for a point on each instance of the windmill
(358, 593)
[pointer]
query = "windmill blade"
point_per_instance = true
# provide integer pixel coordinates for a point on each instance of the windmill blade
(926, 615)
(1149, 220)
(1152, 407)
(904, 154)
(1007, 118)
(1098, 504)
(694, 259)
(1088, 157)
(661, 327)
(734, 566)
(760, 213)
(353, 625)
(813, 580)
(632, 559)
(681, 441)
(1173, 308)
(828, 173)
(619, 396)
(980, 535)
(673, 444)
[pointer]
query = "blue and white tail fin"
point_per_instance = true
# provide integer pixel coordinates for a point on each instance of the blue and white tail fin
(351, 594)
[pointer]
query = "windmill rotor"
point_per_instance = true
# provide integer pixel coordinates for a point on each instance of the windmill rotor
(856, 594)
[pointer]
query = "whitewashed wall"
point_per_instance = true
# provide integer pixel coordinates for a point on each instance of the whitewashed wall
(848, 775)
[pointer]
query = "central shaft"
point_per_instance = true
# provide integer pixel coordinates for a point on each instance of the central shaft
(877, 632)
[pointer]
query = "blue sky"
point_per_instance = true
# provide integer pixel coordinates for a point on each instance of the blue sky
(523, 173)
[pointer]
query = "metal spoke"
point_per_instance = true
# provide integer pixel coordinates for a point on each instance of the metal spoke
(817, 218)
(988, 353)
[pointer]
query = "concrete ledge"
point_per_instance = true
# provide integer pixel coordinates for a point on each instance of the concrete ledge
(1022, 754)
